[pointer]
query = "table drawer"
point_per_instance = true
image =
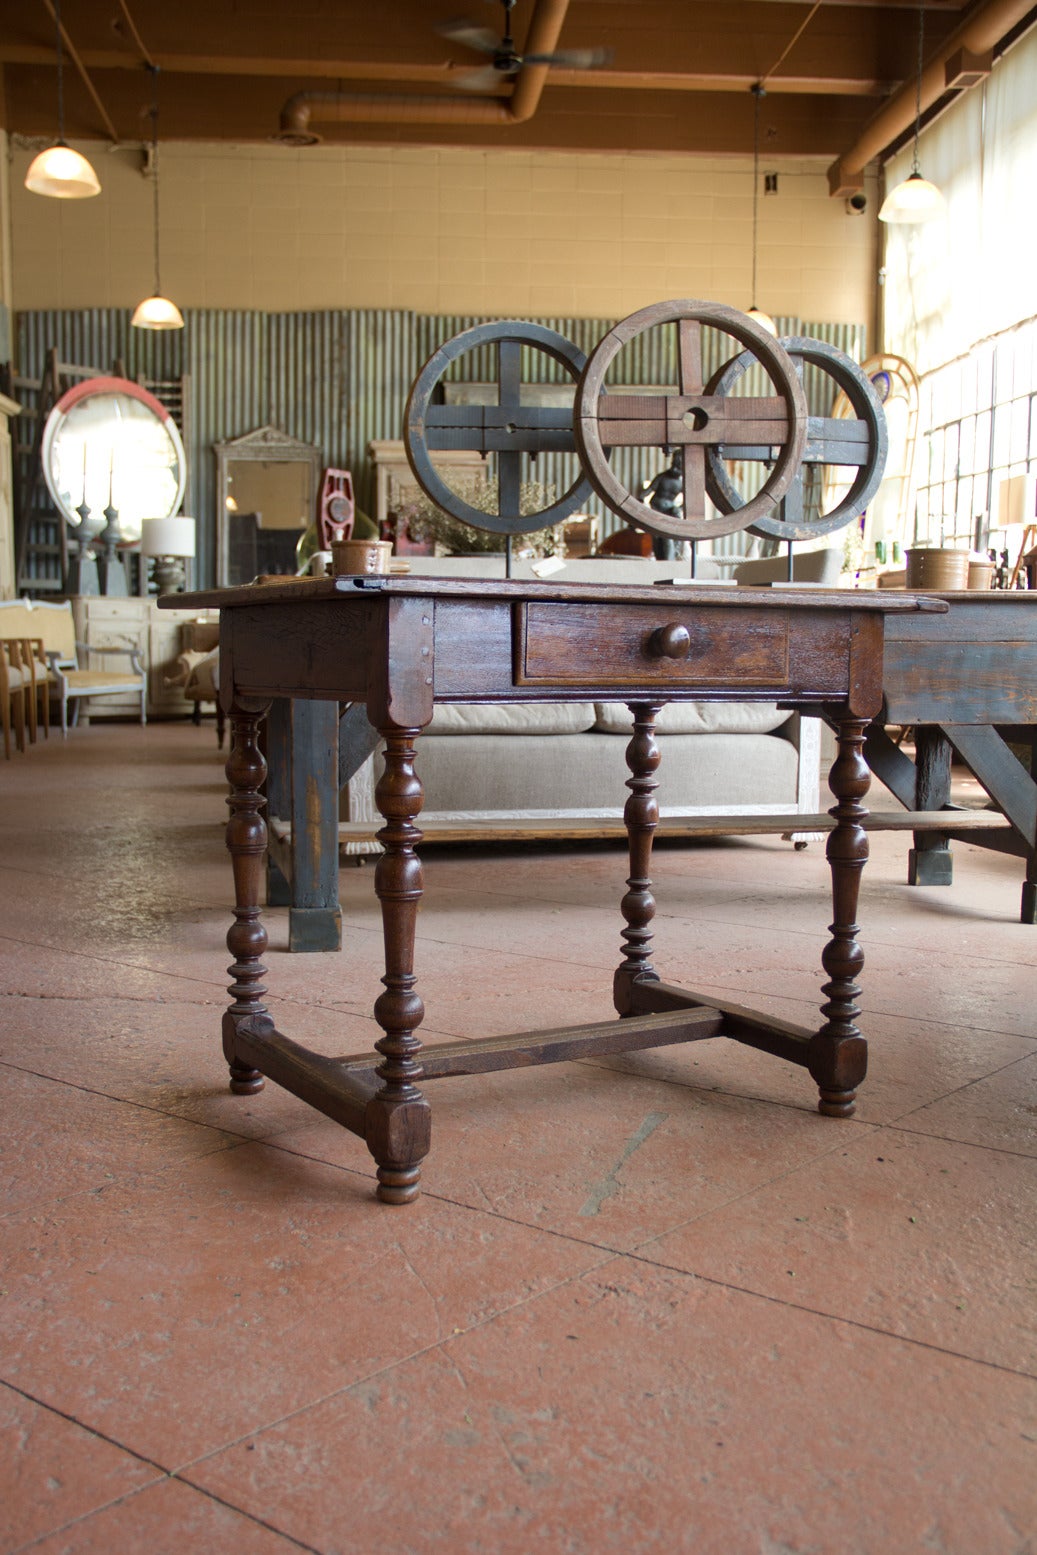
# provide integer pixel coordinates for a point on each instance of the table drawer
(672, 644)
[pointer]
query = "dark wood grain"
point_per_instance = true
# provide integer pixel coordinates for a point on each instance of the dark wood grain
(641, 817)
(838, 1053)
(397, 1128)
(246, 841)
(598, 645)
(525, 1049)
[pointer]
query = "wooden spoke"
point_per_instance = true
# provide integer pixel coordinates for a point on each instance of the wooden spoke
(689, 352)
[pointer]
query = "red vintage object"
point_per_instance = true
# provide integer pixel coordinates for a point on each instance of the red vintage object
(336, 509)
(626, 542)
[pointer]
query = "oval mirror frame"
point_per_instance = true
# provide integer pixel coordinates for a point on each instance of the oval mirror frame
(109, 442)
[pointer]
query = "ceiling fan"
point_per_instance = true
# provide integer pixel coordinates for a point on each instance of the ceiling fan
(506, 61)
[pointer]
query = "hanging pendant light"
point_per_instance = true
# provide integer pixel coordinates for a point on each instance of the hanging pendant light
(156, 312)
(60, 172)
(757, 314)
(916, 199)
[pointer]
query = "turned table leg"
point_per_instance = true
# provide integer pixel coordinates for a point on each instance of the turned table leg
(397, 1120)
(246, 841)
(641, 815)
(838, 1054)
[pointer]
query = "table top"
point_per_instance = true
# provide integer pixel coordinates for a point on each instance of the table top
(721, 596)
(402, 644)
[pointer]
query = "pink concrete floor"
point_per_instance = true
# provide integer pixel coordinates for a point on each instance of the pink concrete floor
(655, 1303)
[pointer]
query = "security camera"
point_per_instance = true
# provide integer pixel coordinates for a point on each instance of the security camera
(857, 204)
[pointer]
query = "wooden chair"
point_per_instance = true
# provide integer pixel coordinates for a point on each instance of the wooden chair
(13, 682)
(34, 659)
(33, 663)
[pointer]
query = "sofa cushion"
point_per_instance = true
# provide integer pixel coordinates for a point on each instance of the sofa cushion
(696, 718)
(518, 718)
(586, 774)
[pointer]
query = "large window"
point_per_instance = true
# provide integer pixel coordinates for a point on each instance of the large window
(979, 419)
(960, 304)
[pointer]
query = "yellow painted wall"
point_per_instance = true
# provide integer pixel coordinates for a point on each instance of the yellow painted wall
(442, 231)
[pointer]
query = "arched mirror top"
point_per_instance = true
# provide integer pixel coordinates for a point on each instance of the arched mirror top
(108, 443)
(266, 495)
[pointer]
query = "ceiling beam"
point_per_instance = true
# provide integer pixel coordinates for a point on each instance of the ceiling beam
(449, 71)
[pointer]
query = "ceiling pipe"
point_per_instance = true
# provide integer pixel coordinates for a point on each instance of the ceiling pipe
(980, 33)
(545, 28)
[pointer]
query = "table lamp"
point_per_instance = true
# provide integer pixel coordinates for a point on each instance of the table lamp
(169, 541)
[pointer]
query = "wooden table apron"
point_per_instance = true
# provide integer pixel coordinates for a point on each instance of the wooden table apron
(401, 645)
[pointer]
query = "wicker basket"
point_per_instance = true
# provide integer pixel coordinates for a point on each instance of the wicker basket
(938, 569)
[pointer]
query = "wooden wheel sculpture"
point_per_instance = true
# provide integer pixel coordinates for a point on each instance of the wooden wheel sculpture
(692, 421)
(858, 441)
(509, 429)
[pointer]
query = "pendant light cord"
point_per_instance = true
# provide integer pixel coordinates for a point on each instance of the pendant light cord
(915, 167)
(154, 169)
(61, 75)
(758, 92)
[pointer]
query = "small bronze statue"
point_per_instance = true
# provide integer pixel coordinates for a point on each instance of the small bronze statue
(666, 495)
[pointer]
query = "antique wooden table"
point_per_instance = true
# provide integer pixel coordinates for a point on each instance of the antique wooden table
(400, 645)
(965, 682)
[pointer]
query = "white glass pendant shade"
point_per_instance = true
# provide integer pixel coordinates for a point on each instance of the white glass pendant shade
(764, 320)
(62, 174)
(157, 313)
(916, 199)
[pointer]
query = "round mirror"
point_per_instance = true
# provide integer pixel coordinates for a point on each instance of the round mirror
(108, 443)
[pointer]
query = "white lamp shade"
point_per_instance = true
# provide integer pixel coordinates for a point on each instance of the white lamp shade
(62, 174)
(167, 537)
(1017, 500)
(916, 199)
(157, 313)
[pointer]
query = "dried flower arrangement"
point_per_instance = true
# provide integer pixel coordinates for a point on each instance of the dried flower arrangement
(454, 537)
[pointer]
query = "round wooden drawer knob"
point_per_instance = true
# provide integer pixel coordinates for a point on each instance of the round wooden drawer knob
(669, 642)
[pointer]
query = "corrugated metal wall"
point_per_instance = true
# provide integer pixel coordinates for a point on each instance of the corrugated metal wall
(340, 379)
